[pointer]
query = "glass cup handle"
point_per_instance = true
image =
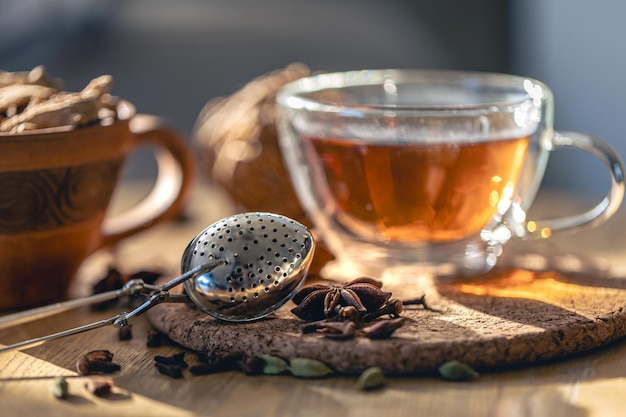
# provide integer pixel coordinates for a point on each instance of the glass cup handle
(171, 187)
(603, 210)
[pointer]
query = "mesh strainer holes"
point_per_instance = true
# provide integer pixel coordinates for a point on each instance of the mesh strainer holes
(263, 227)
(244, 298)
(206, 242)
(269, 262)
(243, 289)
(269, 249)
(232, 299)
(231, 289)
(255, 241)
(201, 253)
(230, 239)
(266, 289)
(235, 254)
(239, 270)
(245, 248)
(240, 279)
(261, 258)
(229, 278)
(241, 232)
(285, 274)
(274, 230)
(274, 240)
(256, 295)
(277, 282)
(221, 249)
(220, 237)
(282, 245)
(285, 259)
(277, 268)
(195, 252)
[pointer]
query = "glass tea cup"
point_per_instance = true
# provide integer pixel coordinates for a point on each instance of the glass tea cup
(433, 170)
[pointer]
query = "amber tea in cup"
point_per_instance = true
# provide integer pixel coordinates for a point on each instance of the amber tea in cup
(433, 169)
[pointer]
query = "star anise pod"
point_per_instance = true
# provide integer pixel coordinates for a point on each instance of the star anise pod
(320, 301)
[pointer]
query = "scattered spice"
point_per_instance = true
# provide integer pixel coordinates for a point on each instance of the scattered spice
(371, 379)
(331, 329)
(125, 332)
(112, 280)
(100, 387)
(209, 368)
(392, 308)
(171, 370)
(177, 359)
(421, 300)
(273, 365)
(457, 371)
(97, 362)
(309, 368)
(59, 387)
(154, 338)
(252, 365)
(383, 329)
(344, 311)
(217, 362)
(319, 301)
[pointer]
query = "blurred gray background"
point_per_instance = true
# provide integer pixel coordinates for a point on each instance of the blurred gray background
(171, 57)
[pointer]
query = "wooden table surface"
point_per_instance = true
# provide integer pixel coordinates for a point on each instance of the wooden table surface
(589, 384)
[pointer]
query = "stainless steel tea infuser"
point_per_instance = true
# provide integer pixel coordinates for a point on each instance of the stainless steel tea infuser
(240, 268)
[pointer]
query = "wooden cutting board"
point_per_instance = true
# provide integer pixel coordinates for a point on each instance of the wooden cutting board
(513, 315)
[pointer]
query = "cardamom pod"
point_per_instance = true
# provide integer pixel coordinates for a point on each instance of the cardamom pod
(371, 379)
(59, 387)
(273, 364)
(457, 371)
(308, 368)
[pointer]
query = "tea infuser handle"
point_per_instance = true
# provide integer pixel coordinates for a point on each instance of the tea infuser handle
(132, 287)
(41, 340)
(605, 208)
(159, 294)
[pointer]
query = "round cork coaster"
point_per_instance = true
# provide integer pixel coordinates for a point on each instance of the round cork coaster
(551, 308)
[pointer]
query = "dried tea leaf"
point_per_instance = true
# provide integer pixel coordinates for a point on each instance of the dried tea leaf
(273, 364)
(308, 368)
(371, 379)
(457, 371)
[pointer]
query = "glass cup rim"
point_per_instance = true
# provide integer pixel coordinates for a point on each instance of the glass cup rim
(296, 94)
